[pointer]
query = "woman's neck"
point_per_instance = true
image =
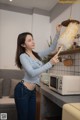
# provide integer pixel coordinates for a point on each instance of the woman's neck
(29, 51)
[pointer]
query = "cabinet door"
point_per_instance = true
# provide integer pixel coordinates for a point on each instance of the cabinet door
(38, 96)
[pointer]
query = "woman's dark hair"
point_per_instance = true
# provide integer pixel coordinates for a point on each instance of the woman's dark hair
(21, 40)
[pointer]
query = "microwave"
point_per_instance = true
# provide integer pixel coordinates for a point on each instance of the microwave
(65, 84)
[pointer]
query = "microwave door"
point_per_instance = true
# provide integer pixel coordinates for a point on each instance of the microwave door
(54, 83)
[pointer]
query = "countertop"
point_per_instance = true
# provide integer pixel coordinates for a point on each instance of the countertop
(60, 100)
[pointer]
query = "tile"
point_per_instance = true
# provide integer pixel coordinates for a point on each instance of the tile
(77, 56)
(76, 69)
(77, 73)
(67, 70)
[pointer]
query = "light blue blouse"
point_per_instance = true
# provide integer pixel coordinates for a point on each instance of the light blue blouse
(33, 68)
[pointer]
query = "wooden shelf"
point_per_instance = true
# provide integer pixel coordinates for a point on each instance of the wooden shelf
(76, 50)
(72, 51)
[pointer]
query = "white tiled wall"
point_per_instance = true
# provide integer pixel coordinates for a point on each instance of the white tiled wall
(60, 69)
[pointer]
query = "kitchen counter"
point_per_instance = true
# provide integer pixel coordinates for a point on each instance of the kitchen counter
(52, 102)
(57, 98)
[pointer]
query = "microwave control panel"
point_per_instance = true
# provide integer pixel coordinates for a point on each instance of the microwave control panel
(59, 83)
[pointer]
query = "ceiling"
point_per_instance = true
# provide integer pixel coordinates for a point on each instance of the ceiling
(31, 4)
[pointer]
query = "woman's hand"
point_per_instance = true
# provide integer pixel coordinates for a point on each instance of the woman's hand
(58, 28)
(54, 60)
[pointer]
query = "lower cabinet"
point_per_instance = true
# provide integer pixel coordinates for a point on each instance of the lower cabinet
(38, 97)
(49, 110)
(45, 108)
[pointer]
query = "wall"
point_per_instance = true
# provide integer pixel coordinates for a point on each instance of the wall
(41, 30)
(66, 15)
(60, 68)
(13, 23)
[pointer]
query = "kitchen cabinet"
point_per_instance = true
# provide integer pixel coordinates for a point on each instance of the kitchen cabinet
(38, 97)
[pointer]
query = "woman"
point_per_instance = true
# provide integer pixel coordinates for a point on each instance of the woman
(30, 62)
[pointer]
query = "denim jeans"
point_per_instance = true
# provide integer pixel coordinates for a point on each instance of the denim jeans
(25, 101)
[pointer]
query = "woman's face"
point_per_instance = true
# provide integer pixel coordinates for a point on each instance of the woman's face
(29, 43)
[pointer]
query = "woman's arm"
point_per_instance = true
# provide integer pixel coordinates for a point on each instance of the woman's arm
(53, 46)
